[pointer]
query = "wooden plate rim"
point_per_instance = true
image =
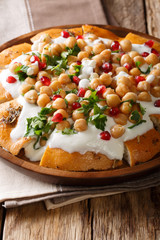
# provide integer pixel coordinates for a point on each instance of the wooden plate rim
(92, 177)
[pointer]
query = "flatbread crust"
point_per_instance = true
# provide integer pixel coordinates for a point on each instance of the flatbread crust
(5, 130)
(60, 159)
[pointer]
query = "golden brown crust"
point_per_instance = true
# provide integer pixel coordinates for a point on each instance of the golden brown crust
(4, 95)
(60, 159)
(144, 147)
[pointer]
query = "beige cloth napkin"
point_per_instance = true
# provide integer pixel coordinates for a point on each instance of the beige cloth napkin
(19, 186)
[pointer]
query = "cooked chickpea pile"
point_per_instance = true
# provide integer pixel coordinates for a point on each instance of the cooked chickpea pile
(45, 88)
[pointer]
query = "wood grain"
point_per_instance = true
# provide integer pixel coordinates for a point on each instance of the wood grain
(153, 17)
(32, 222)
(124, 13)
(134, 215)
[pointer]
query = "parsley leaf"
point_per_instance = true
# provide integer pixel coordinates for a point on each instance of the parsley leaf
(68, 131)
(148, 69)
(72, 91)
(137, 118)
(21, 71)
(51, 61)
(99, 120)
(142, 109)
(71, 51)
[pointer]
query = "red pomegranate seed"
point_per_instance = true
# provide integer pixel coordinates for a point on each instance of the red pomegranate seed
(122, 53)
(114, 111)
(145, 54)
(58, 117)
(139, 79)
(149, 43)
(105, 135)
(81, 92)
(11, 79)
(76, 79)
(79, 62)
(100, 90)
(128, 66)
(65, 34)
(34, 59)
(107, 67)
(41, 65)
(79, 37)
(45, 80)
(155, 52)
(157, 103)
(56, 96)
(115, 46)
(76, 105)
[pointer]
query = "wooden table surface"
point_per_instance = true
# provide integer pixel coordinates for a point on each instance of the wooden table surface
(134, 215)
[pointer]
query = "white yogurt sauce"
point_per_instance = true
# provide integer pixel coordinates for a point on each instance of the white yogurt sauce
(144, 67)
(87, 68)
(140, 48)
(91, 43)
(150, 78)
(32, 154)
(120, 74)
(84, 83)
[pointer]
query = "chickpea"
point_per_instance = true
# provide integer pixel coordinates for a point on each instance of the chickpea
(108, 91)
(59, 103)
(115, 58)
(27, 57)
(32, 70)
(72, 59)
(45, 38)
(71, 98)
(106, 54)
(13, 66)
(129, 96)
(135, 72)
(31, 81)
(70, 86)
(125, 59)
(82, 54)
(113, 84)
(88, 49)
(80, 125)
(72, 69)
(120, 69)
(38, 85)
(144, 96)
(46, 89)
(121, 119)
(133, 121)
(94, 83)
(55, 49)
(43, 100)
(42, 74)
(91, 36)
(81, 43)
(63, 46)
(117, 131)
(63, 112)
(152, 59)
(108, 44)
(140, 60)
(41, 46)
(122, 89)
(157, 66)
(62, 125)
(155, 91)
(98, 48)
(70, 42)
(113, 100)
(62, 93)
(45, 52)
(98, 59)
(87, 94)
(31, 96)
(133, 54)
(42, 140)
(24, 88)
(155, 72)
(106, 79)
(143, 86)
(64, 78)
(55, 85)
(126, 45)
(125, 108)
(124, 80)
(77, 115)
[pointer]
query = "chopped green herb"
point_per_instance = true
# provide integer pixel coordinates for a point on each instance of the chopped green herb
(21, 71)
(142, 109)
(137, 118)
(72, 91)
(68, 131)
(138, 63)
(71, 51)
(148, 69)
(118, 59)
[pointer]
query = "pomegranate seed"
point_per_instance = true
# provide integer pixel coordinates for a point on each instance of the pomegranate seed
(149, 43)
(76, 105)
(11, 79)
(155, 52)
(128, 66)
(145, 54)
(100, 90)
(58, 117)
(76, 79)
(34, 59)
(81, 92)
(107, 67)
(56, 96)
(79, 62)
(122, 53)
(45, 80)
(114, 111)
(115, 46)
(139, 79)
(65, 34)
(41, 65)
(79, 37)
(157, 103)
(105, 135)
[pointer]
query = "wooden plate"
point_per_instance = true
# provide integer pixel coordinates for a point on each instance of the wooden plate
(84, 178)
